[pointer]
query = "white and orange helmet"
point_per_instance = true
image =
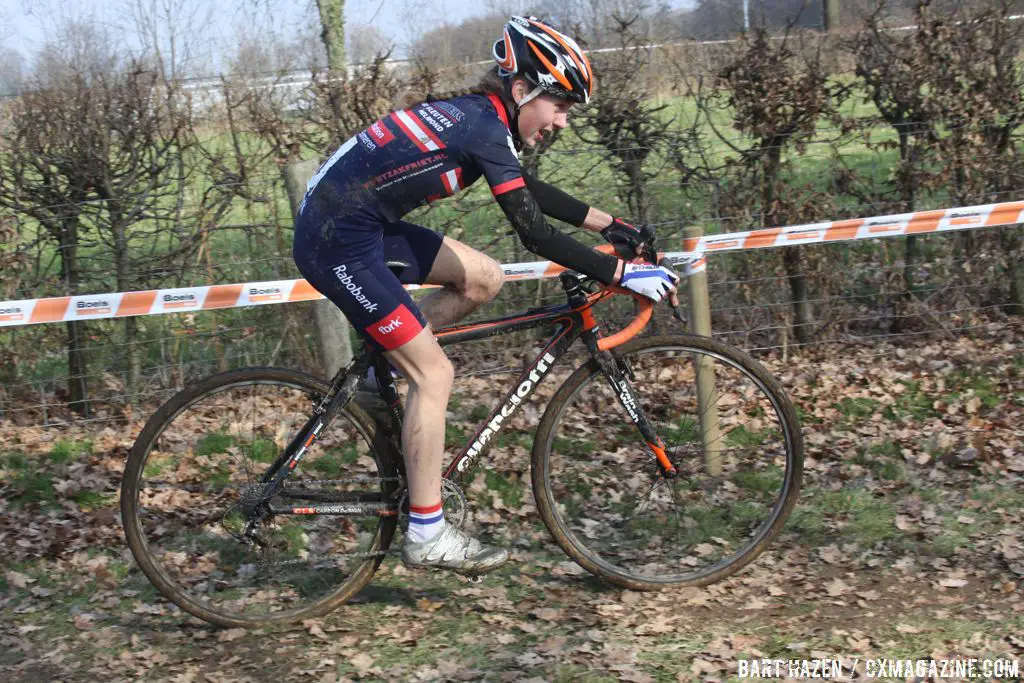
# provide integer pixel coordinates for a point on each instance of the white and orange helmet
(550, 60)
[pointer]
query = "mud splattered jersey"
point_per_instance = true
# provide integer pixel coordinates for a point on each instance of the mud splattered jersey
(419, 155)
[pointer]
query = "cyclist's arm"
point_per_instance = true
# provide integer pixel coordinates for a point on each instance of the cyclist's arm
(537, 235)
(563, 206)
(490, 148)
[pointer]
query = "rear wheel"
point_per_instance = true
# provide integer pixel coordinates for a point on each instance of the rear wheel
(197, 463)
(601, 492)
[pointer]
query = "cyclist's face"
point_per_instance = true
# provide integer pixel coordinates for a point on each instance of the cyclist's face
(543, 114)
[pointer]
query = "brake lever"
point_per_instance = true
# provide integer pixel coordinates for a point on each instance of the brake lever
(677, 311)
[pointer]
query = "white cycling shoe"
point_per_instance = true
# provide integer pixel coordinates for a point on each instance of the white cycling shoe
(454, 549)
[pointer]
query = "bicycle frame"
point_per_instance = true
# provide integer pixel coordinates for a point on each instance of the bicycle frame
(574, 320)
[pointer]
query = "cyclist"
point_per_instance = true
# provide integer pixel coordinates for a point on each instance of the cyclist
(350, 223)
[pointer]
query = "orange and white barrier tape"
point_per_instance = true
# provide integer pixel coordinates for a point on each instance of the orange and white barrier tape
(154, 302)
(190, 299)
(899, 225)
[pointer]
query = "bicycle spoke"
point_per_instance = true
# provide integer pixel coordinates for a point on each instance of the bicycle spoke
(198, 489)
(725, 494)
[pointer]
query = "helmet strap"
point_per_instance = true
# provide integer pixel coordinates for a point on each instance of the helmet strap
(530, 95)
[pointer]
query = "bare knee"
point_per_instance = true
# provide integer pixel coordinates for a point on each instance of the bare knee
(484, 282)
(434, 377)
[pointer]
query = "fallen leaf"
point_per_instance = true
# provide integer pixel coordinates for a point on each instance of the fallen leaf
(230, 635)
(315, 629)
(17, 579)
(362, 662)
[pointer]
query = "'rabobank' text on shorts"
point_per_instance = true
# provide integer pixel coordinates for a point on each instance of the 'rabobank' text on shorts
(344, 259)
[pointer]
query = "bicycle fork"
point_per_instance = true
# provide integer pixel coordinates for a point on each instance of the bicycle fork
(618, 375)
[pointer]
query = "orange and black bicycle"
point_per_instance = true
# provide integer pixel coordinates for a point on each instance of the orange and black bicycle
(266, 495)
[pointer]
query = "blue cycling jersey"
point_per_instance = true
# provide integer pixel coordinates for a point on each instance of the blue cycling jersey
(419, 155)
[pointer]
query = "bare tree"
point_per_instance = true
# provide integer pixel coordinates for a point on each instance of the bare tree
(622, 118)
(467, 41)
(889, 67)
(12, 66)
(367, 42)
(176, 33)
(100, 153)
(776, 95)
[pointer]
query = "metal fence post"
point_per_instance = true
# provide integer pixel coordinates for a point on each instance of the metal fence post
(332, 326)
(700, 323)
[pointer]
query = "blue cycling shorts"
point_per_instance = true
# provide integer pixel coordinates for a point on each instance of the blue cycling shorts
(344, 259)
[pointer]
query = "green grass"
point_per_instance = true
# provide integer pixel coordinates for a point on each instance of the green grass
(263, 450)
(808, 522)
(332, 463)
(64, 451)
(92, 499)
(741, 437)
(885, 461)
(766, 481)
(856, 409)
(569, 673)
(153, 468)
(982, 387)
(510, 488)
(216, 442)
(866, 518)
(15, 460)
(32, 487)
(566, 446)
(890, 471)
(913, 403)
(479, 412)
(998, 497)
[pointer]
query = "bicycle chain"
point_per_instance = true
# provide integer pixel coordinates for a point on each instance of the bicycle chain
(361, 480)
(318, 559)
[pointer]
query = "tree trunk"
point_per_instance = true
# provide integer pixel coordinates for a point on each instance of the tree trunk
(910, 245)
(1010, 240)
(639, 202)
(798, 291)
(830, 14)
(133, 367)
(332, 34)
(790, 255)
(911, 249)
(332, 326)
(78, 396)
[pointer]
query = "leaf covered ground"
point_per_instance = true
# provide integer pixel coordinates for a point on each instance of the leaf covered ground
(908, 541)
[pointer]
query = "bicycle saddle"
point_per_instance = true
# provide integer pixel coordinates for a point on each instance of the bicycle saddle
(396, 266)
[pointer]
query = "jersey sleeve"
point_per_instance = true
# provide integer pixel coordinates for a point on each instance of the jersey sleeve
(491, 149)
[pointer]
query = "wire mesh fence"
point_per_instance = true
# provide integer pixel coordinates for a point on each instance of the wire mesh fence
(768, 130)
(856, 294)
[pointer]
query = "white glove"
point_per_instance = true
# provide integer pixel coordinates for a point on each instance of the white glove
(652, 281)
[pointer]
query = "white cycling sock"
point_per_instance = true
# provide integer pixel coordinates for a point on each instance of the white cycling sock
(425, 522)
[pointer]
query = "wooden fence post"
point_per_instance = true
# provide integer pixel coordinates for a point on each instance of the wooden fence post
(332, 326)
(700, 323)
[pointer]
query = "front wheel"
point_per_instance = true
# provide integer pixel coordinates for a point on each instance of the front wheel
(602, 494)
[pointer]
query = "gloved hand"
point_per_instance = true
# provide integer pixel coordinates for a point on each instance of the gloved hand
(627, 239)
(654, 282)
